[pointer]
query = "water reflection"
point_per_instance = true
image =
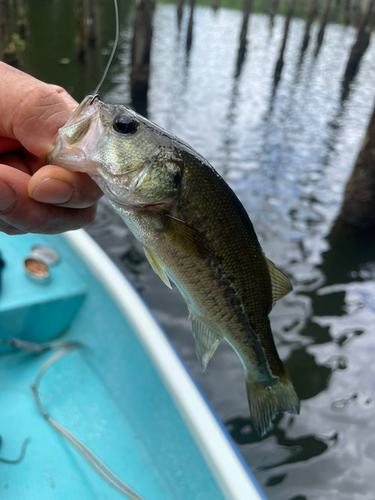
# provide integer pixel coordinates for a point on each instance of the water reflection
(350, 250)
(316, 377)
(295, 450)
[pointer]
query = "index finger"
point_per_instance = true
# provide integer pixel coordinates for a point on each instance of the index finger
(72, 103)
(31, 111)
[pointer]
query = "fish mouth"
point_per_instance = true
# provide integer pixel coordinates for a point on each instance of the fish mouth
(72, 150)
(74, 159)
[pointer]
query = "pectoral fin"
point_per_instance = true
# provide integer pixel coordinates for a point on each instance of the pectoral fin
(157, 267)
(187, 238)
(206, 341)
(279, 281)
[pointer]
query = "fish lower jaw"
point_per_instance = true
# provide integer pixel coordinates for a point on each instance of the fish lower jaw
(119, 203)
(74, 160)
(119, 193)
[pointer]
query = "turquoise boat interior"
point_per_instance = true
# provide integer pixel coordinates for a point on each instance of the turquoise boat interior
(107, 392)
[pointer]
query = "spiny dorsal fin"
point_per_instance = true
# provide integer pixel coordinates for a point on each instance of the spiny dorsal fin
(279, 281)
(157, 267)
(187, 238)
(206, 341)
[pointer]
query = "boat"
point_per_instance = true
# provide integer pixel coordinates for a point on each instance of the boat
(117, 405)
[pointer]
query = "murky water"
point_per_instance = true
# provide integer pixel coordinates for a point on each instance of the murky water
(287, 154)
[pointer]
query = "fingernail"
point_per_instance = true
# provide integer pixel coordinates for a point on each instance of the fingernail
(7, 196)
(53, 191)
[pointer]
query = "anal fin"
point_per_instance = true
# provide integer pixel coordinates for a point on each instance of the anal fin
(157, 267)
(206, 341)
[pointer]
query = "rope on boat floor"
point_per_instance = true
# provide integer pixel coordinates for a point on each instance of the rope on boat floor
(65, 348)
(18, 460)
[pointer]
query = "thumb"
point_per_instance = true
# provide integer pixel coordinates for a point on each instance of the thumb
(31, 111)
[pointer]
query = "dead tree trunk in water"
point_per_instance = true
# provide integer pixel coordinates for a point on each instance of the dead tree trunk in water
(80, 38)
(215, 4)
(280, 61)
(180, 8)
(247, 6)
(22, 20)
(189, 35)
(141, 49)
(9, 43)
(87, 27)
(359, 200)
(361, 43)
(357, 12)
(313, 11)
(273, 10)
(348, 9)
(323, 25)
(93, 22)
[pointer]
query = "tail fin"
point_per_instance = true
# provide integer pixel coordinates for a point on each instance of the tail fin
(267, 401)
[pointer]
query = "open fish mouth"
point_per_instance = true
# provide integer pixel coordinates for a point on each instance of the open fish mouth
(74, 158)
(74, 143)
(67, 159)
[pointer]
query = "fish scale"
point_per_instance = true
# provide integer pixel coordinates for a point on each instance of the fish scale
(195, 233)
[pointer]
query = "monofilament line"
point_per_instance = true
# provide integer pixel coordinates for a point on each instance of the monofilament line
(113, 49)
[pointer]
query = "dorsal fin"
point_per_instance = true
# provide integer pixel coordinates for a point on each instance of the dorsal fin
(280, 283)
(206, 341)
(157, 267)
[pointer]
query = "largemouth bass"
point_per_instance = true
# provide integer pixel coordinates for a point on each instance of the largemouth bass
(195, 234)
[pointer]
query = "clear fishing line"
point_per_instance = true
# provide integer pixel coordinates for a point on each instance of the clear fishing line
(113, 49)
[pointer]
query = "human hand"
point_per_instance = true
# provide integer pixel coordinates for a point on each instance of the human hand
(35, 197)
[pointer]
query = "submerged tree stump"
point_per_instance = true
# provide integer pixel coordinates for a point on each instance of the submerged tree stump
(141, 51)
(280, 61)
(358, 207)
(362, 41)
(313, 11)
(323, 24)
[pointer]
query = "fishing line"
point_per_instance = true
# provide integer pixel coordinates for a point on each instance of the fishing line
(113, 49)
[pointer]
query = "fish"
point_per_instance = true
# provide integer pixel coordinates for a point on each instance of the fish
(195, 234)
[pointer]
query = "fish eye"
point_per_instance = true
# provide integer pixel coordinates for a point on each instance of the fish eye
(125, 124)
